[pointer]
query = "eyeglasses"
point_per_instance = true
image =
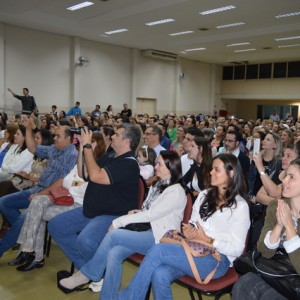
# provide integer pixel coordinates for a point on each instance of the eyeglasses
(229, 141)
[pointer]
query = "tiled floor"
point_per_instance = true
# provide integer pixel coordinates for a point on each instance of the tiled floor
(40, 284)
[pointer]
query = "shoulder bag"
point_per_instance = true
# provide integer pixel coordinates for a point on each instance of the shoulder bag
(277, 271)
(193, 248)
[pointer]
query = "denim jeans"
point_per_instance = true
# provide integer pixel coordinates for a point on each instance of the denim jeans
(12, 235)
(114, 249)
(79, 236)
(163, 264)
(251, 287)
(10, 205)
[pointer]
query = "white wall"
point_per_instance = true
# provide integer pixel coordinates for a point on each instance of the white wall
(38, 61)
(46, 64)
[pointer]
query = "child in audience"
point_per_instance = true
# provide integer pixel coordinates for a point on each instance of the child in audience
(146, 159)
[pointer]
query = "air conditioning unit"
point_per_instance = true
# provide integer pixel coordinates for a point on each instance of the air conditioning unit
(159, 54)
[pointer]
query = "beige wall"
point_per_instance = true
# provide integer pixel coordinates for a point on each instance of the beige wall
(46, 64)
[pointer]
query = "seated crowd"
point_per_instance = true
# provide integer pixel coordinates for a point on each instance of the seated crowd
(100, 158)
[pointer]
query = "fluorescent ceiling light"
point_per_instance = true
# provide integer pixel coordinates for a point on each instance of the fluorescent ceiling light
(288, 38)
(216, 10)
(230, 25)
(80, 5)
(238, 44)
(245, 50)
(287, 46)
(292, 14)
(116, 31)
(159, 22)
(194, 49)
(181, 33)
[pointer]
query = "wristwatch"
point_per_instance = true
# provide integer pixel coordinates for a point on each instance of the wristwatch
(262, 173)
(88, 146)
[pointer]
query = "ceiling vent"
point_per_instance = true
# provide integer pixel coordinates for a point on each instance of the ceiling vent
(159, 54)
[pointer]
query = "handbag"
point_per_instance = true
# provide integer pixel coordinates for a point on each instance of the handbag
(137, 226)
(193, 248)
(21, 183)
(277, 271)
(61, 196)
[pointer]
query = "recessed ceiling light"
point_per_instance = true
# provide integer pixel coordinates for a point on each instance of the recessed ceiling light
(288, 38)
(116, 31)
(159, 22)
(292, 14)
(287, 46)
(230, 25)
(181, 33)
(194, 49)
(245, 50)
(238, 44)
(216, 10)
(80, 5)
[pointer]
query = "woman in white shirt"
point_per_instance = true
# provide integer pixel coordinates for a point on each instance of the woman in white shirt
(222, 218)
(18, 157)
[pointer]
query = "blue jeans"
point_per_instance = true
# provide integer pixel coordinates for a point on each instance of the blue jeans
(79, 236)
(163, 264)
(114, 249)
(11, 204)
(12, 235)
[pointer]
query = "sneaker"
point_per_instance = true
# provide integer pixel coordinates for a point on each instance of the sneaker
(96, 286)
(77, 279)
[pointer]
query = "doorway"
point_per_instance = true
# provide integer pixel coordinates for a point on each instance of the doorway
(146, 105)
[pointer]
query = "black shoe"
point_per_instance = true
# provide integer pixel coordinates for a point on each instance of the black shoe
(16, 248)
(30, 265)
(22, 258)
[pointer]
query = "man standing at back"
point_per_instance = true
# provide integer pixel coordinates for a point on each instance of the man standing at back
(28, 102)
(75, 111)
(111, 192)
(126, 112)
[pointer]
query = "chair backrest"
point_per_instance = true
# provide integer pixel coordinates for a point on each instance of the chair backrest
(188, 208)
(142, 192)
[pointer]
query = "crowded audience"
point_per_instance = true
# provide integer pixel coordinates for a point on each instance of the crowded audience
(218, 167)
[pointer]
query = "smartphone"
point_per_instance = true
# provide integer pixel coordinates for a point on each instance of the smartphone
(256, 146)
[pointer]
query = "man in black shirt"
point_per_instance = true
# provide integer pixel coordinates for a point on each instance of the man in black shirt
(126, 112)
(111, 192)
(28, 102)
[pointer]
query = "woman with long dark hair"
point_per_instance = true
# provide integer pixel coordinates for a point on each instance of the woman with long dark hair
(197, 177)
(222, 218)
(18, 158)
(163, 209)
